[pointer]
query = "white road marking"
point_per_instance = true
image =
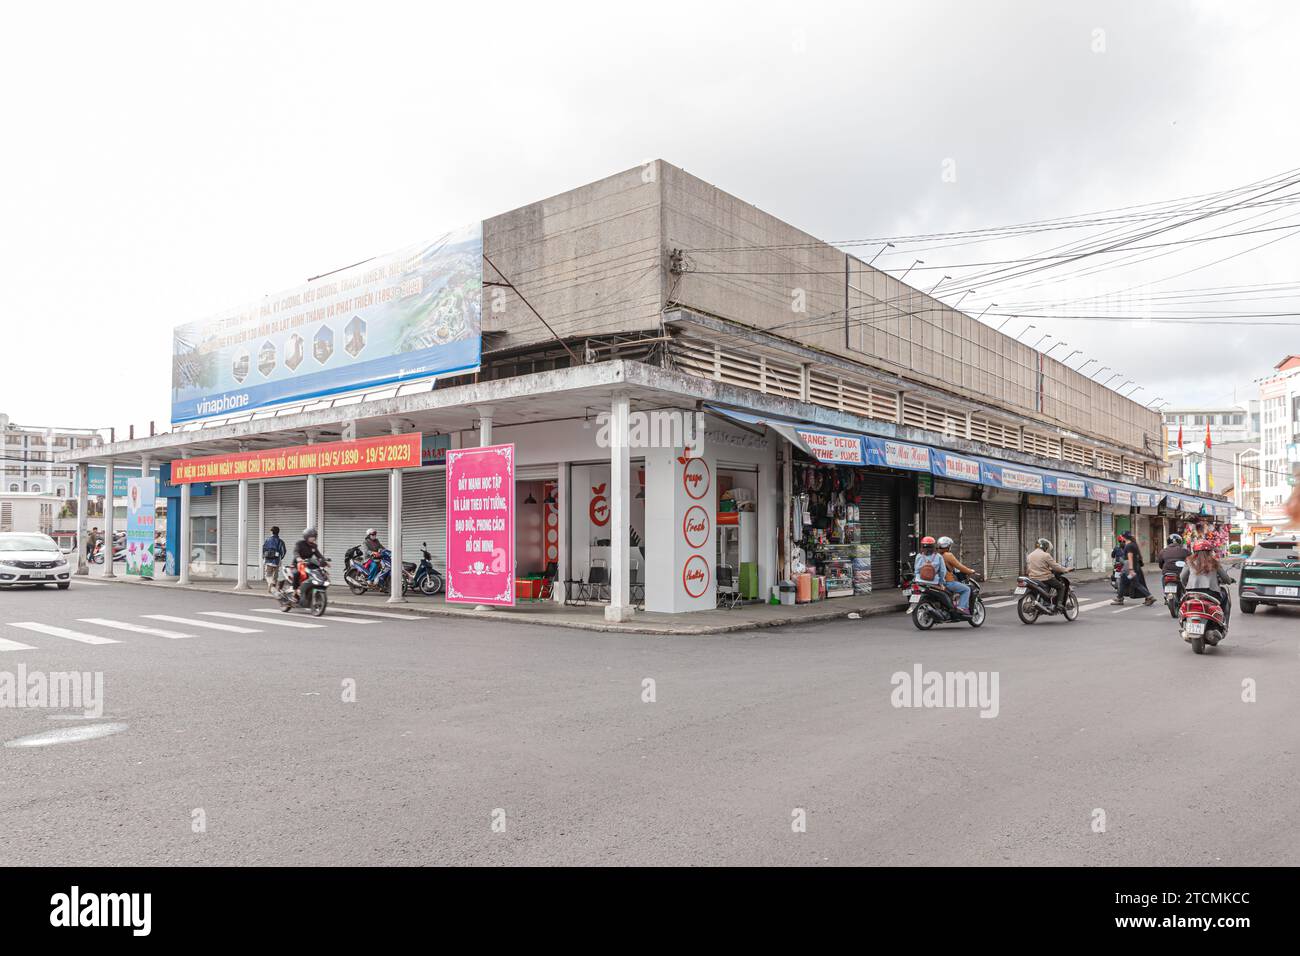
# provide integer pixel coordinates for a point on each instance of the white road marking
(1127, 607)
(62, 632)
(14, 646)
(90, 584)
(1093, 607)
(1004, 603)
(259, 620)
(396, 617)
(138, 628)
(349, 620)
(232, 628)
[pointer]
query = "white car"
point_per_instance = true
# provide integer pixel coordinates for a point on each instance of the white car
(30, 558)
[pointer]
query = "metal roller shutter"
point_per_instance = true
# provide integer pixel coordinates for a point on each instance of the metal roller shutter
(538, 473)
(1107, 524)
(424, 515)
(963, 521)
(228, 526)
(1068, 550)
(352, 505)
(1090, 533)
(203, 507)
(286, 508)
(1002, 539)
(943, 517)
(255, 535)
(878, 527)
(1039, 523)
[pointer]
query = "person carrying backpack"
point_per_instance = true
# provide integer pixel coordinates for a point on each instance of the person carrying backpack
(273, 551)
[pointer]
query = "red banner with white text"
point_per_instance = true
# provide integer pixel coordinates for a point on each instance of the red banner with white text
(364, 454)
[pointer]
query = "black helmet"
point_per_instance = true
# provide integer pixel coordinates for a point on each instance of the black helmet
(1175, 539)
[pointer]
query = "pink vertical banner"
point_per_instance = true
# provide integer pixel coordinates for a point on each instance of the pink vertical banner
(481, 525)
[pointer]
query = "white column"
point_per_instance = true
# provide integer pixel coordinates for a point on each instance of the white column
(312, 490)
(183, 545)
(241, 565)
(563, 565)
(83, 502)
(484, 425)
(108, 521)
(620, 514)
(395, 535)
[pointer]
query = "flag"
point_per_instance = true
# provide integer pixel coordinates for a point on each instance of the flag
(1180, 437)
(1207, 436)
(1209, 477)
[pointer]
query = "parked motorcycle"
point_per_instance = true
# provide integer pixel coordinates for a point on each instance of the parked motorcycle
(1201, 620)
(930, 603)
(316, 588)
(1174, 589)
(119, 554)
(425, 577)
(1036, 599)
(356, 573)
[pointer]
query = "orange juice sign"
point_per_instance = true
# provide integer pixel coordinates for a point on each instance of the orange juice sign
(365, 454)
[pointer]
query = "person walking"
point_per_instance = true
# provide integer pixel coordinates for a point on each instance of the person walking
(1131, 579)
(273, 551)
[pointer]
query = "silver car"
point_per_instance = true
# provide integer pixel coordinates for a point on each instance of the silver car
(32, 559)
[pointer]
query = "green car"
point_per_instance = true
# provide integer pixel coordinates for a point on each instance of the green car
(1271, 575)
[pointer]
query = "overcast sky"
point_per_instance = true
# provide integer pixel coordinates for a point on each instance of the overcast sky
(162, 163)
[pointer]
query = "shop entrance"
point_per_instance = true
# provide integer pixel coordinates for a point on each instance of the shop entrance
(845, 527)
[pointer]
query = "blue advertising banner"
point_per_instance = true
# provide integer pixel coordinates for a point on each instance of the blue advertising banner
(945, 464)
(886, 453)
(412, 314)
(95, 479)
(140, 506)
(1012, 477)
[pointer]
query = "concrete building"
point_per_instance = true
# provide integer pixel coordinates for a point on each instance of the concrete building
(1231, 428)
(841, 413)
(1279, 447)
(27, 457)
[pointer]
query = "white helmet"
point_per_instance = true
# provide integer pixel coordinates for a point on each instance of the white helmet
(1044, 544)
(371, 532)
(945, 542)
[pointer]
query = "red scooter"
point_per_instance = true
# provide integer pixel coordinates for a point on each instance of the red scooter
(1201, 620)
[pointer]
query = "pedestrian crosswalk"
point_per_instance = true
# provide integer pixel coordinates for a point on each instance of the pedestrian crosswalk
(175, 627)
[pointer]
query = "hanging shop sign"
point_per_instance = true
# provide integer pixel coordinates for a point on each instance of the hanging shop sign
(833, 448)
(364, 454)
(1069, 487)
(481, 525)
(1121, 496)
(433, 449)
(140, 515)
(1099, 492)
(884, 453)
(1013, 479)
(947, 465)
(412, 314)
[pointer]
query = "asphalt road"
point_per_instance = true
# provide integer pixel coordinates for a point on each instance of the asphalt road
(457, 724)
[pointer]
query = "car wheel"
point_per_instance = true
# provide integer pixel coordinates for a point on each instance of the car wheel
(1247, 607)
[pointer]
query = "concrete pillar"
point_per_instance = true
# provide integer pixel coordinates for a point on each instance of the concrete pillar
(620, 513)
(395, 535)
(183, 547)
(241, 564)
(484, 425)
(83, 502)
(108, 521)
(313, 488)
(563, 567)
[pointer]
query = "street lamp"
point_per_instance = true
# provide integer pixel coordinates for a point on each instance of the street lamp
(1071, 355)
(962, 296)
(918, 262)
(1133, 392)
(1154, 400)
(888, 245)
(1106, 384)
(1124, 385)
(1046, 335)
(1085, 365)
(1026, 329)
(1054, 347)
(1004, 321)
(939, 283)
(1099, 371)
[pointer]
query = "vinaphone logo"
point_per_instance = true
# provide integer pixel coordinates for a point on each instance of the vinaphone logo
(226, 403)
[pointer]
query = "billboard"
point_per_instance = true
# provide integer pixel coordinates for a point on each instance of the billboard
(481, 525)
(140, 503)
(411, 314)
(95, 479)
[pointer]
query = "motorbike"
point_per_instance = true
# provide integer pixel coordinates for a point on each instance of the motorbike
(119, 553)
(356, 572)
(1115, 572)
(1201, 620)
(316, 588)
(930, 603)
(1173, 586)
(1036, 599)
(425, 577)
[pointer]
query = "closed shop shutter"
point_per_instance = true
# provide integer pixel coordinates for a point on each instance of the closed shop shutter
(971, 552)
(203, 507)
(286, 508)
(352, 505)
(1039, 523)
(255, 533)
(1094, 553)
(1002, 539)
(943, 517)
(538, 473)
(878, 527)
(1068, 551)
(1107, 521)
(424, 515)
(963, 521)
(228, 528)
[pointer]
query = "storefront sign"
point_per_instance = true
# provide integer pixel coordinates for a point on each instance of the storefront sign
(95, 479)
(833, 448)
(365, 454)
(411, 314)
(1099, 492)
(1070, 487)
(696, 477)
(696, 576)
(695, 526)
(947, 465)
(140, 514)
(433, 449)
(894, 454)
(1013, 479)
(481, 525)
(1120, 496)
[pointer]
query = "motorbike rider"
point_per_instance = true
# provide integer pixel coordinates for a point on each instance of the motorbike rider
(953, 565)
(1204, 573)
(931, 569)
(303, 552)
(1041, 567)
(373, 547)
(1173, 551)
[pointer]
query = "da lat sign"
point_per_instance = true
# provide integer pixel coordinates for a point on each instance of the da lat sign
(481, 525)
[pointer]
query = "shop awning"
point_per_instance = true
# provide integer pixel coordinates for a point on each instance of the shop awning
(847, 448)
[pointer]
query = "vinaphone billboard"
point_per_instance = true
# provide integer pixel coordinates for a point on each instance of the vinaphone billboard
(411, 314)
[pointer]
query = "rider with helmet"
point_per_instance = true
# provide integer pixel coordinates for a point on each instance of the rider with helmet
(374, 547)
(931, 568)
(303, 552)
(1173, 552)
(1044, 569)
(952, 565)
(1203, 572)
